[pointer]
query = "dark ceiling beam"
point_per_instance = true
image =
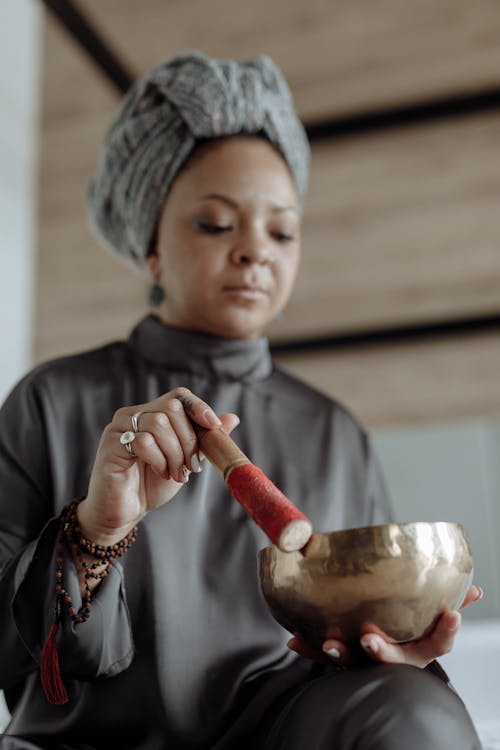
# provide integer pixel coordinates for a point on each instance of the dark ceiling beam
(418, 113)
(398, 335)
(98, 49)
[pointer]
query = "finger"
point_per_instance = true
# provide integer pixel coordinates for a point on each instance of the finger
(191, 455)
(377, 649)
(177, 453)
(113, 452)
(197, 409)
(174, 434)
(142, 446)
(147, 449)
(474, 594)
(332, 651)
(307, 651)
(440, 641)
(417, 653)
(337, 651)
(175, 438)
(183, 408)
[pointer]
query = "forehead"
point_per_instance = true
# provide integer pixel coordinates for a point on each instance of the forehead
(226, 144)
(243, 165)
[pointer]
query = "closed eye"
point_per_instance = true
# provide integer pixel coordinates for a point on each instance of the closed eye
(283, 237)
(213, 228)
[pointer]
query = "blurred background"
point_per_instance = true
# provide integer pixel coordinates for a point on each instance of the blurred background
(397, 311)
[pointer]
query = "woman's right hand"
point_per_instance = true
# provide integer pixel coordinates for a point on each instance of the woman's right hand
(124, 487)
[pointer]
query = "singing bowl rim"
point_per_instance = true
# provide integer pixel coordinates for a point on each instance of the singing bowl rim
(313, 553)
(372, 529)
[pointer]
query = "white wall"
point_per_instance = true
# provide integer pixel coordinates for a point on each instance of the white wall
(451, 473)
(19, 97)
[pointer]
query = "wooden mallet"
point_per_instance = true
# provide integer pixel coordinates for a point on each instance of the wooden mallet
(277, 516)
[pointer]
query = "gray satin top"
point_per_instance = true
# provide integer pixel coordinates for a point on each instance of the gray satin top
(180, 651)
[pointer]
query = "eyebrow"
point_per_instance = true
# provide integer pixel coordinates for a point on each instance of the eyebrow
(276, 208)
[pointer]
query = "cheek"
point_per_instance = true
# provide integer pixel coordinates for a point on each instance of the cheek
(179, 257)
(288, 271)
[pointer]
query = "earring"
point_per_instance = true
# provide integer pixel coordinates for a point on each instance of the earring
(156, 295)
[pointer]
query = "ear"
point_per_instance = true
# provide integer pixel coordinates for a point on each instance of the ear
(153, 265)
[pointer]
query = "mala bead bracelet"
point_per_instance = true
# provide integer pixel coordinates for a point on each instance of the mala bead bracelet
(70, 536)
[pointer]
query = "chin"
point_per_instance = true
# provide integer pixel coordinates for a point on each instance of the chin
(240, 327)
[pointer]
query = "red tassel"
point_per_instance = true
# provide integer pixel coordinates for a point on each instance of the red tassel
(50, 672)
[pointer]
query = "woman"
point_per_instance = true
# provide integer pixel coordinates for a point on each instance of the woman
(201, 180)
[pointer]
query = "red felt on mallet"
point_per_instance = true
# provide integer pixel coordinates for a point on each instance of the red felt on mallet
(277, 516)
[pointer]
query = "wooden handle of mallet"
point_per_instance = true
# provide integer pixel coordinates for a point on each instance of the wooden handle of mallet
(276, 515)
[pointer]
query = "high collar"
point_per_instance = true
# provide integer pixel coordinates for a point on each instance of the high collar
(199, 353)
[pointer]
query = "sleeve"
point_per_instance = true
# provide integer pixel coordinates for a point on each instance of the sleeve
(103, 645)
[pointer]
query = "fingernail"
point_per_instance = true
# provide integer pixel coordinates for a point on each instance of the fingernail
(481, 593)
(368, 647)
(185, 474)
(333, 653)
(195, 464)
(212, 418)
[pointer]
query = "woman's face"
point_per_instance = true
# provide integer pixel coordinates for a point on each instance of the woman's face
(228, 240)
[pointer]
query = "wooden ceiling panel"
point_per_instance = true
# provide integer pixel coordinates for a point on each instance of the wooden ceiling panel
(401, 384)
(339, 56)
(85, 296)
(401, 228)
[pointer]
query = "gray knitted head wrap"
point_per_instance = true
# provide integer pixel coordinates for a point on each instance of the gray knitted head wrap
(186, 100)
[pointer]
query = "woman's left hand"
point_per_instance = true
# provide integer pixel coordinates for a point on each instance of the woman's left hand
(379, 647)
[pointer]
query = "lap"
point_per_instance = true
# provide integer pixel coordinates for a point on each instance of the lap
(378, 707)
(11, 742)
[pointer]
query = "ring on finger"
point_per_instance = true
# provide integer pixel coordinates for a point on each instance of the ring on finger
(126, 439)
(135, 420)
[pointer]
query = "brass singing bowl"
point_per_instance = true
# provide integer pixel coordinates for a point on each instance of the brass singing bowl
(397, 577)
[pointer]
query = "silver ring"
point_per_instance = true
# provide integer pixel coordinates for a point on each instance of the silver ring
(135, 421)
(126, 439)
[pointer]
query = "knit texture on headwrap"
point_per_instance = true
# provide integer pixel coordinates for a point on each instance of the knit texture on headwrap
(188, 99)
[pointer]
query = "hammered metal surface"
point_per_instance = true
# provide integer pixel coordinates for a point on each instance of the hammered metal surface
(397, 577)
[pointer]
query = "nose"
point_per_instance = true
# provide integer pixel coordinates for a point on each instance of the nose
(252, 247)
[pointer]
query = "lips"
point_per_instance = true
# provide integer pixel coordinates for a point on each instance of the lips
(244, 288)
(246, 291)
